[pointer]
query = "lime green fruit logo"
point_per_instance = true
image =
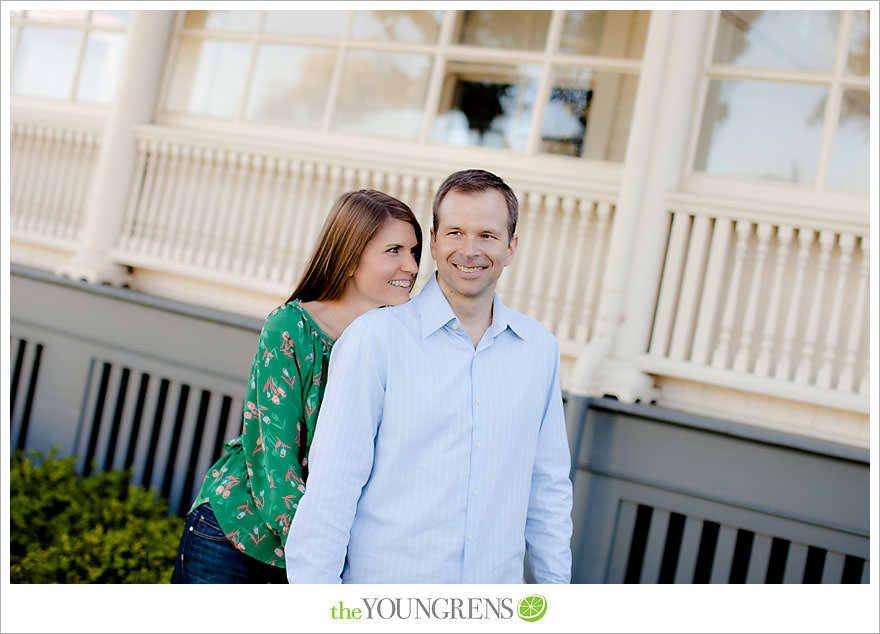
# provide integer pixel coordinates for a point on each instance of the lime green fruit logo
(532, 608)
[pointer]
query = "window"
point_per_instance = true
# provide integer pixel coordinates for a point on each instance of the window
(787, 99)
(67, 55)
(534, 82)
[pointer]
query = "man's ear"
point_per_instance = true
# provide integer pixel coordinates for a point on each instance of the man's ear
(511, 250)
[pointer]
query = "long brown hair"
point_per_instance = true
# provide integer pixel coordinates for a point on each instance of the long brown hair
(352, 222)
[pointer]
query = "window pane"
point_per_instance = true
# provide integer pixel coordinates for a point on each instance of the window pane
(97, 77)
(606, 33)
(383, 93)
(221, 20)
(849, 157)
(58, 16)
(110, 18)
(802, 40)
(489, 105)
(306, 23)
(208, 76)
(46, 61)
(290, 84)
(419, 27)
(857, 62)
(589, 114)
(505, 29)
(762, 129)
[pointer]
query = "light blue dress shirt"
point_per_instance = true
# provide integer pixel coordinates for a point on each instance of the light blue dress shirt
(434, 461)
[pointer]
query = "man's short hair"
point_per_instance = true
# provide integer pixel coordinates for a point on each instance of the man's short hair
(473, 181)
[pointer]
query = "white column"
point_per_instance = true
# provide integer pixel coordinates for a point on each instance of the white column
(137, 87)
(662, 124)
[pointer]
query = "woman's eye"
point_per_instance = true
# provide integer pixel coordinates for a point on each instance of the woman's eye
(394, 250)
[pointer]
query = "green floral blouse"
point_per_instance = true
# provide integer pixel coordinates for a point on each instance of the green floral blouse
(255, 486)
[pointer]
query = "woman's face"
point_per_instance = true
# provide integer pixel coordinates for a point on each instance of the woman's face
(387, 268)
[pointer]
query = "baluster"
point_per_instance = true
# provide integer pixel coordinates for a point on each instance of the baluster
(218, 191)
(314, 214)
(672, 275)
(125, 236)
(526, 257)
(363, 178)
(192, 205)
(245, 212)
(32, 178)
(38, 174)
(149, 193)
(584, 212)
(224, 207)
(249, 168)
(393, 183)
(48, 177)
(539, 279)
(720, 357)
(83, 178)
(231, 225)
(68, 219)
(179, 208)
(689, 298)
(255, 223)
(710, 303)
(847, 375)
(422, 210)
(212, 172)
(597, 260)
(554, 299)
(741, 360)
(377, 182)
(768, 332)
(268, 252)
(319, 207)
(165, 213)
(805, 367)
(18, 154)
(805, 242)
(407, 185)
(823, 376)
(54, 223)
(292, 219)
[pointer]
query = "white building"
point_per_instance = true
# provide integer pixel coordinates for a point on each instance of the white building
(694, 185)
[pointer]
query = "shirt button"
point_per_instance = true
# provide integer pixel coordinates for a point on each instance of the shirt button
(478, 400)
(470, 538)
(477, 445)
(474, 491)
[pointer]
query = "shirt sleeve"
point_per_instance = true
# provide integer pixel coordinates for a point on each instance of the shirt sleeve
(340, 459)
(548, 521)
(273, 413)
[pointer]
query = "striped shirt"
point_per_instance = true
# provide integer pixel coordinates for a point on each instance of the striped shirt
(434, 461)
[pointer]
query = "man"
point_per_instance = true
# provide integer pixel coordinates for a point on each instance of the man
(440, 452)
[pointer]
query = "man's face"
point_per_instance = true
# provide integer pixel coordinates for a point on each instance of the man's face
(470, 245)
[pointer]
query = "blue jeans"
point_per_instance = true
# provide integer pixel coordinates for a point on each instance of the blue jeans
(206, 556)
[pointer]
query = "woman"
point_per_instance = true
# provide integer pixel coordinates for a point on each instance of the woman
(367, 256)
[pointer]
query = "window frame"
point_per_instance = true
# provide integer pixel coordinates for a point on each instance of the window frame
(816, 194)
(20, 19)
(442, 51)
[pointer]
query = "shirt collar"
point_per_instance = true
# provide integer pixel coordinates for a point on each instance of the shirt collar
(435, 312)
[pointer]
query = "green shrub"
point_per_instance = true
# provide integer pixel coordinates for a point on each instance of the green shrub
(98, 529)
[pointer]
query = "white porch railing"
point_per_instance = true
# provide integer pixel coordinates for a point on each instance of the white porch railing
(205, 207)
(50, 168)
(766, 302)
